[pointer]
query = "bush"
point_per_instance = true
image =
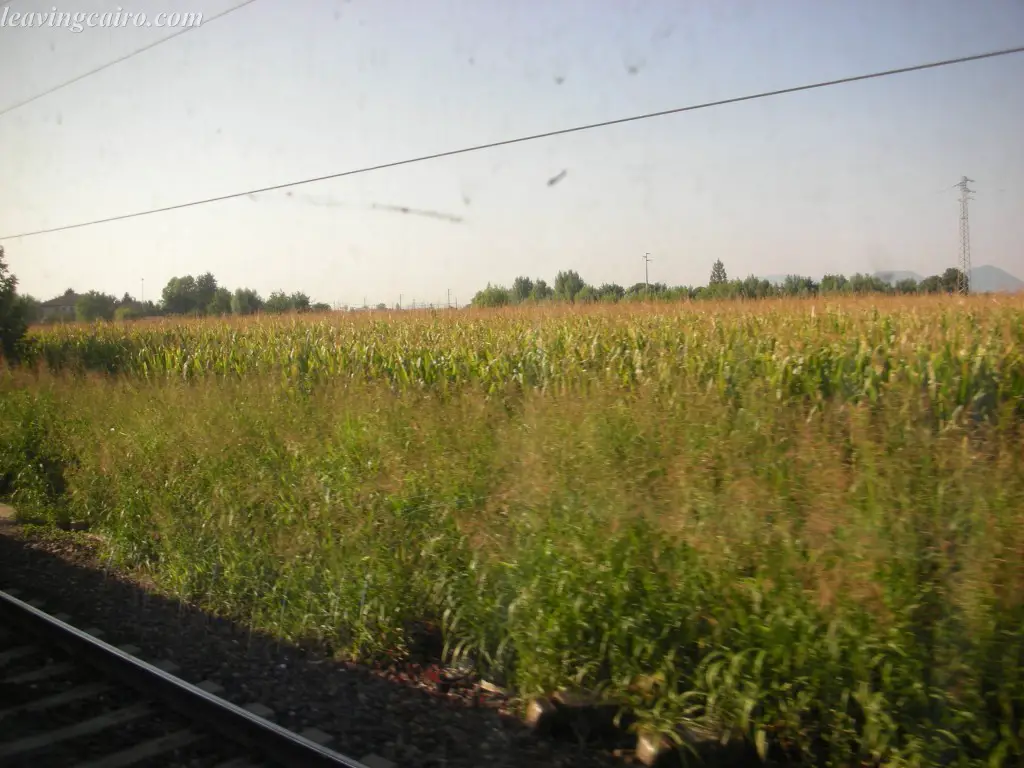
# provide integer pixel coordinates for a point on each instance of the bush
(13, 311)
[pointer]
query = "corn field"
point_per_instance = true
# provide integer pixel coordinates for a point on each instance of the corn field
(968, 358)
(796, 523)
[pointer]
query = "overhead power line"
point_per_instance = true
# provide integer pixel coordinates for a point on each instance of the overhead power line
(127, 56)
(532, 137)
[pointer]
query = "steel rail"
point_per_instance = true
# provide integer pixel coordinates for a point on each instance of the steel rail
(268, 739)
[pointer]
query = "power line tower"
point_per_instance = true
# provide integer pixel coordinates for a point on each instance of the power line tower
(964, 278)
(647, 260)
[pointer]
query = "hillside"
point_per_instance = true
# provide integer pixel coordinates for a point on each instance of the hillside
(989, 279)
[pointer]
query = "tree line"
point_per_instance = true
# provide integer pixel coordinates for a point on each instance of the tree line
(200, 296)
(570, 287)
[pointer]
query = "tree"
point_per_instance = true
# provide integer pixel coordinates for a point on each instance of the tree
(246, 301)
(12, 313)
(568, 284)
(932, 284)
(635, 291)
(718, 275)
(180, 296)
(220, 304)
(94, 306)
(907, 285)
(541, 291)
(833, 283)
(205, 291)
(522, 287)
(492, 296)
(299, 302)
(127, 312)
(864, 283)
(796, 285)
(322, 307)
(951, 280)
(610, 292)
(31, 311)
(278, 303)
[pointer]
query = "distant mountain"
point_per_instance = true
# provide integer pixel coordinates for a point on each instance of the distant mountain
(989, 279)
(894, 276)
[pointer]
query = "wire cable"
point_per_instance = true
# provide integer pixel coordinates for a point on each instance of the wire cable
(532, 137)
(127, 56)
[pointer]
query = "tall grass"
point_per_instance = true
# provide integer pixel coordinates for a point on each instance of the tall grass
(800, 523)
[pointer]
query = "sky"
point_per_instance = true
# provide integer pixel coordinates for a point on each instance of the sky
(851, 178)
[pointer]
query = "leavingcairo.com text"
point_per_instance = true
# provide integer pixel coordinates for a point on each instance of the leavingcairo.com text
(80, 20)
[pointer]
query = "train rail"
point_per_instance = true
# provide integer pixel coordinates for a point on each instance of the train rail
(67, 698)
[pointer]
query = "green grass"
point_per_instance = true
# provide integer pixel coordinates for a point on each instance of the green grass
(803, 528)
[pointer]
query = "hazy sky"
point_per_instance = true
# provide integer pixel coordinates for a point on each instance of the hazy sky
(843, 179)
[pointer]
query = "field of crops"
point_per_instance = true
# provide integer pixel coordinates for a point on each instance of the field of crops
(798, 522)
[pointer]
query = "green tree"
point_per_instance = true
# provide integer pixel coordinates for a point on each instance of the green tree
(31, 310)
(205, 292)
(718, 275)
(796, 285)
(753, 287)
(610, 293)
(180, 296)
(246, 301)
(321, 307)
(299, 302)
(220, 304)
(834, 283)
(127, 312)
(932, 284)
(906, 286)
(951, 280)
(864, 283)
(95, 306)
(541, 291)
(278, 303)
(492, 296)
(13, 323)
(568, 284)
(522, 287)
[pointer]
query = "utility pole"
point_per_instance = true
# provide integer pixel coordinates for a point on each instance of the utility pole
(647, 260)
(964, 278)
(399, 301)
(449, 298)
(142, 296)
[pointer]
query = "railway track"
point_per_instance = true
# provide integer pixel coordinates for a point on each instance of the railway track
(67, 698)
